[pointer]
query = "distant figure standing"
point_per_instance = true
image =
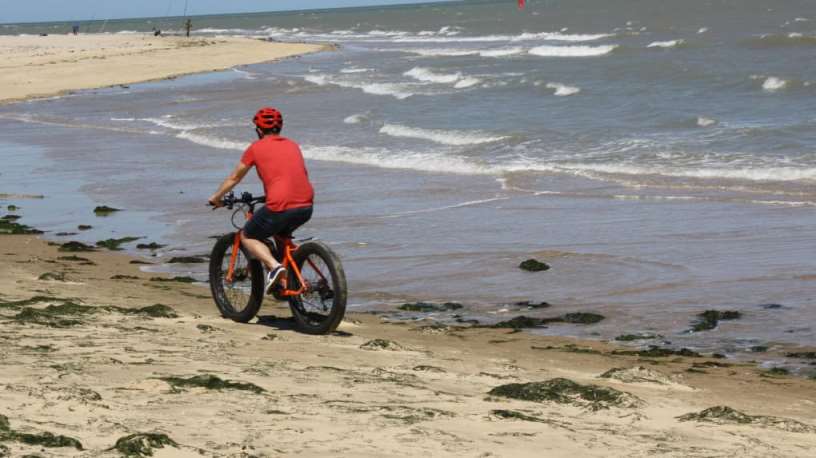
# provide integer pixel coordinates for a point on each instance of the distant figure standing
(188, 26)
(75, 29)
(156, 32)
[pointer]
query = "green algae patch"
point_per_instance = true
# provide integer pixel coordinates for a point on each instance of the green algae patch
(211, 382)
(633, 337)
(153, 311)
(776, 372)
(11, 217)
(583, 318)
(79, 259)
(569, 348)
(724, 415)
(84, 227)
(10, 227)
(115, 244)
(524, 322)
(658, 352)
(52, 276)
(426, 368)
(516, 415)
(149, 246)
(565, 391)
(51, 316)
(187, 260)
(381, 344)
(75, 247)
(104, 210)
(534, 265)
(34, 300)
(124, 277)
(427, 307)
(709, 319)
(802, 355)
(637, 374)
(174, 279)
(519, 322)
(43, 439)
(142, 444)
(13, 208)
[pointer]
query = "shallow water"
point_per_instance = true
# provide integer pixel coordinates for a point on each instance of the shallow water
(661, 160)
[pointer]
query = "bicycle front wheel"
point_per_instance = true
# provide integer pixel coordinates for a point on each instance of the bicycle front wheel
(320, 309)
(240, 297)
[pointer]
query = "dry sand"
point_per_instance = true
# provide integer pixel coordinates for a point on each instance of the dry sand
(34, 66)
(100, 379)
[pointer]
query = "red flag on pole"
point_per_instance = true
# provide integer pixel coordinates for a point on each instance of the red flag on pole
(521, 4)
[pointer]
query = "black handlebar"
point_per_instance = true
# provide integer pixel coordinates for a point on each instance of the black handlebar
(230, 200)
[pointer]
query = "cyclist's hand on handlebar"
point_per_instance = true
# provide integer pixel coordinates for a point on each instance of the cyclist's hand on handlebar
(215, 202)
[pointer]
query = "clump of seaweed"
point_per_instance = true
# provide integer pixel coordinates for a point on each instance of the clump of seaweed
(174, 279)
(637, 374)
(723, 415)
(44, 439)
(79, 259)
(149, 246)
(211, 382)
(633, 337)
(66, 312)
(124, 277)
(426, 368)
(10, 227)
(142, 444)
(75, 247)
(708, 320)
(104, 210)
(534, 265)
(522, 322)
(427, 307)
(565, 391)
(187, 260)
(381, 344)
(84, 227)
(52, 276)
(657, 352)
(153, 311)
(802, 355)
(115, 244)
(776, 372)
(569, 348)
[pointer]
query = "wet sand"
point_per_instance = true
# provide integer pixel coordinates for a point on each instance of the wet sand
(41, 66)
(108, 371)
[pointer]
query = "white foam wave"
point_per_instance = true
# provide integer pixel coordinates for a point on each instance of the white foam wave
(387, 159)
(354, 70)
(174, 125)
(426, 75)
(666, 44)
(213, 142)
(542, 36)
(773, 84)
(459, 52)
(398, 91)
(563, 90)
(705, 122)
(503, 52)
(355, 119)
(444, 137)
(572, 51)
(467, 82)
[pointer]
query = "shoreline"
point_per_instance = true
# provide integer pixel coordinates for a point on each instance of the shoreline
(39, 67)
(428, 387)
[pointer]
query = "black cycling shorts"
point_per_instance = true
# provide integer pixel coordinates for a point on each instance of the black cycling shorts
(265, 223)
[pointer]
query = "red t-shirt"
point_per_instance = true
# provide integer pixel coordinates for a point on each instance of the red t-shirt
(281, 169)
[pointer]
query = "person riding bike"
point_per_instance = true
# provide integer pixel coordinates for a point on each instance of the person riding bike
(289, 194)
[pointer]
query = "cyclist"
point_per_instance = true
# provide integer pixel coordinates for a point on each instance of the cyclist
(289, 194)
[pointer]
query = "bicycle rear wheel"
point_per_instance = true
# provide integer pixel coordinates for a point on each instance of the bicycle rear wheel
(239, 299)
(320, 309)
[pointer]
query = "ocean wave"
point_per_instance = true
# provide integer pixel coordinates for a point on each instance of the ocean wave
(355, 119)
(542, 36)
(459, 52)
(780, 40)
(354, 70)
(175, 125)
(458, 80)
(705, 122)
(387, 159)
(666, 44)
(396, 90)
(444, 137)
(563, 90)
(773, 84)
(212, 142)
(572, 51)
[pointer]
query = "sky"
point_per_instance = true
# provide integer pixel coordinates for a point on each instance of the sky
(12, 11)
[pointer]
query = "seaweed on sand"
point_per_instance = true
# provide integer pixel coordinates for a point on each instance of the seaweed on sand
(44, 439)
(67, 313)
(633, 337)
(75, 247)
(9, 227)
(84, 227)
(534, 265)
(564, 391)
(52, 276)
(724, 415)
(149, 246)
(73, 258)
(522, 322)
(187, 260)
(381, 344)
(104, 210)
(710, 318)
(427, 307)
(211, 382)
(142, 444)
(174, 279)
(658, 352)
(115, 244)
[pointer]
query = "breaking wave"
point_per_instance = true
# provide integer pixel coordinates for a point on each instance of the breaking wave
(773, 84)
(666, 44)
(572, 51)
(563, 90)
(444, 137)
(398, 91)
(458, 80)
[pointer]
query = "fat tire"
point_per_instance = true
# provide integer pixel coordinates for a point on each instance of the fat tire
(339, 287)
(217, 287)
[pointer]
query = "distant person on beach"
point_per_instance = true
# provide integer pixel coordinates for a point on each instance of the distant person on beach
(289, 194)
(188, 26)
(156, 32)
(75, 29)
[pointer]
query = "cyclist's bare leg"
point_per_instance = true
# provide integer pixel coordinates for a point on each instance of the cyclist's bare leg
(261, 252)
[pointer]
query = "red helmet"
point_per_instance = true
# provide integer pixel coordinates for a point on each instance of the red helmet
(268, 118)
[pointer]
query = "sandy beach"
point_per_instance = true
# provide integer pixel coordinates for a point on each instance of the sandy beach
(37, 66)
(88, 356)
(101, 358)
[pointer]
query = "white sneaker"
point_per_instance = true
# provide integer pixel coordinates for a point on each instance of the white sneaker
(273, 277)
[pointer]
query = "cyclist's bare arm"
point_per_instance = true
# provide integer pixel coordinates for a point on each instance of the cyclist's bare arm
(232, 180)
